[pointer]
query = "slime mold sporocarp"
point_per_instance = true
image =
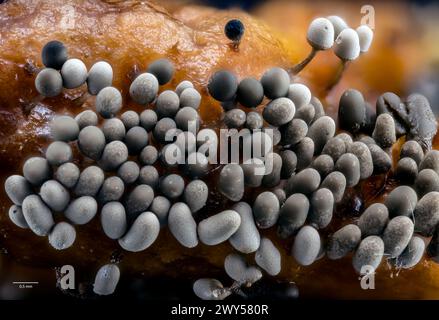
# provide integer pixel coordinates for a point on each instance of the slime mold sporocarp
(106, 168)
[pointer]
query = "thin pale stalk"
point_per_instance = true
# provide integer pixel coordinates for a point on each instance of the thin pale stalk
(338, 75)
(301, 65)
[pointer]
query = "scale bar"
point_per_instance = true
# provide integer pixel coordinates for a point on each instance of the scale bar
(25, 282)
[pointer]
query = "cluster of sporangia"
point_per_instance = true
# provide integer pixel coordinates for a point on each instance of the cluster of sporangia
(311, 167)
